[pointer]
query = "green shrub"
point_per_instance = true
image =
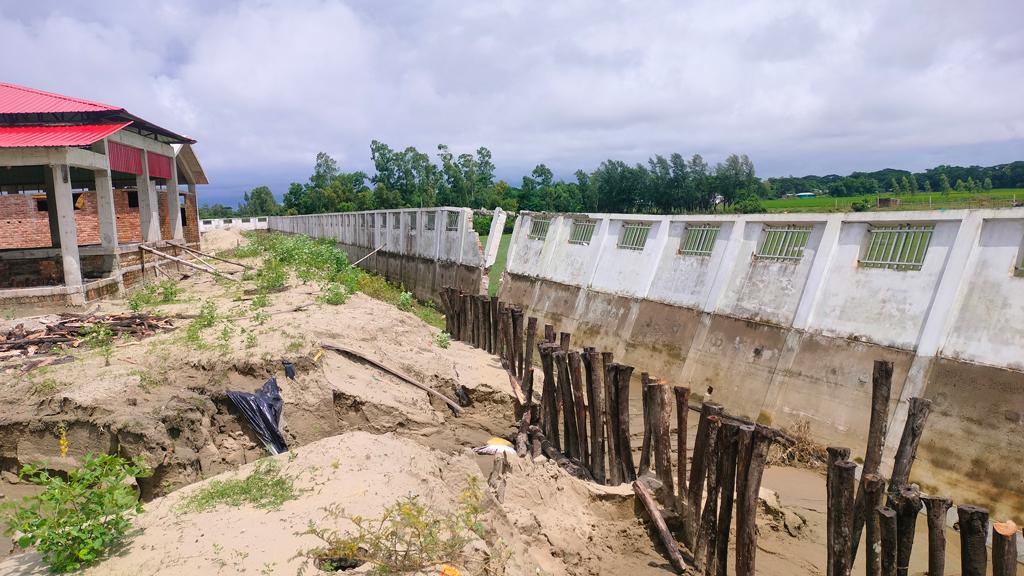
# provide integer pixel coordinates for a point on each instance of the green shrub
(443, 339)
(265, 488)
(206, 319)
(101, 337)
(749, 205)
(76, 521)
(260, 301)
(272, 276)
(405, 301)
(861, 206)
(153, 295)
(334, 294)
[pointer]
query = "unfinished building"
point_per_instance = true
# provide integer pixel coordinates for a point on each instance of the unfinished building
(82, 186)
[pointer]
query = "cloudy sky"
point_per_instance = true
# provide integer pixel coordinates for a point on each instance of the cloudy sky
(801, 86)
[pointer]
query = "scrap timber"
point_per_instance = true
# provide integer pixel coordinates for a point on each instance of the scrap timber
(67, 331)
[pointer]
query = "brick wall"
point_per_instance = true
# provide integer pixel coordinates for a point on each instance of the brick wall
(23, 226)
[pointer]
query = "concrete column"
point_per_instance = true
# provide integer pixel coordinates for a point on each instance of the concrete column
(107, 218)
(824, 254)
(174, 203)
(149, 207)
(68, 230)
(51, 208)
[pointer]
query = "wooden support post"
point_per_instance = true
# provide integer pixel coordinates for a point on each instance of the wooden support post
(447, 305)
(549, 333)
(519, 358)
(576, 381)
(1004, 548)
(695, 487)
(887, 527)
(536, 441)
(704, 552)
(612, 419)
(907, 503)
(598, 408)
(570, 442)
(937, 510)
(563, 340)
(661, 432)
(682, 396)
(881, 385)
(510, 343)
(531, 339)
(549, 407)
(842, 497)
(645, 447)
(873, 495)
(523, 435)
(973, 530)
(478, 313)
(729, 436)
(917, 415)
(746, 505)
(495, 341)
(142, 263)
(485, 314)
(835, 454)
(667, 540)
(467, 319)
(623, 374)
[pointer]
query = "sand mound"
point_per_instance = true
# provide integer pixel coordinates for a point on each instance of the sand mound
(222, 239)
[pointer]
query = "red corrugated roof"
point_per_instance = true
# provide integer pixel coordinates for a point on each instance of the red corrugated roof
(79, 135)
(16, 99)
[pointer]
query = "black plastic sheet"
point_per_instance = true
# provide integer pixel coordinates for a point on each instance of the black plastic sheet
(262, 409)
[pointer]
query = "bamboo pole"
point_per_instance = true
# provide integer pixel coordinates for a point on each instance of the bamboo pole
(842, 499)
(622, 379)
(727, 478)
(873, 495)
(973, 529)
(598, 412)
(576, 381)
(938, 508)
(887, 527)
(667, 540)
(881, 385)
(1004, 548)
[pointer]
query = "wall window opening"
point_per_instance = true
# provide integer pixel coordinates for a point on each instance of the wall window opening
(395, 222)
(582, 231)
(42, 204)
(431, 222)
(634, 235)
(699, 239)
(133, 199)
(784, 242)
(901, 247)
(453, 222)
(539, 229)
(412, 221)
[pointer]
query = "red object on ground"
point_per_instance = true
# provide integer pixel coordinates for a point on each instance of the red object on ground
(53, 135)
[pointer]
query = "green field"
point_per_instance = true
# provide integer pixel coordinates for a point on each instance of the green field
(997, 198)
(499, 265)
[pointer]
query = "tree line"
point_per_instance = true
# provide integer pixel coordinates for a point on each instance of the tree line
(669, 184)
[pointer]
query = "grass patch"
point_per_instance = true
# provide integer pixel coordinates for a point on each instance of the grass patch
(206, 319)
(377, 287)
(999, 197)
(500, 261)
(265, 488)
(154, 294)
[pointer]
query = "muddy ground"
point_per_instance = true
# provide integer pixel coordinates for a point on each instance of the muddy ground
(360, 438)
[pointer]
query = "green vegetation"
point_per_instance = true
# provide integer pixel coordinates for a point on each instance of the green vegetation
(405, 301)
(77, 520)
(1000, 197)
(100, 337)
(377, 287)
(265, 488)
(207, 319)
(334, 294)
(443, 340)
(408, 537)
(500, 261)
(153, 294)
(271, 277)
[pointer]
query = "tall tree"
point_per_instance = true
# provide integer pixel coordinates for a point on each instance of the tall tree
(259, 201)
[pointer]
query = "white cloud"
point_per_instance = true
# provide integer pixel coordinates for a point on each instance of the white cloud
(801, 86)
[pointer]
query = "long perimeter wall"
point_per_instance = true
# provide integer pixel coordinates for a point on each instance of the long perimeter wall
(790, 340)
(424, 249)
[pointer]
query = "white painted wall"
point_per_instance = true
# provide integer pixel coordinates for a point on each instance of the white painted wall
(966, 302)
(248, 223)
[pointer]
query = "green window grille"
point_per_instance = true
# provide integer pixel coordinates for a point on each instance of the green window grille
(539, 229)
(634, 236)
(431, 222)
(784, 242)
(453, 222)
(699, 239)
(901, 247)
(582, 231)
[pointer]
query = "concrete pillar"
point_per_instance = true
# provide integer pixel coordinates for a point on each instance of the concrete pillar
(51, 207)
(68, 231)
(149, 207)
(174, 203)
(107, 218)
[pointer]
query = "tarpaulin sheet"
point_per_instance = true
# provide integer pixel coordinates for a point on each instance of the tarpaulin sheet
(263, 411)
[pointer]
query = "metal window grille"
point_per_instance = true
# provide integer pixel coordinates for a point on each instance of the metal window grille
(382, 220)
(412, 220)
(784, 242)
(699, 239)
(582, 231)
(453, 222)
(634, 236)
(431, 222)
(539, 229)
(901, 247)
(396, 220)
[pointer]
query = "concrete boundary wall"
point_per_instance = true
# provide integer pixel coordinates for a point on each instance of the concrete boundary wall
(789, 340)
(424, 249)
(246, 223)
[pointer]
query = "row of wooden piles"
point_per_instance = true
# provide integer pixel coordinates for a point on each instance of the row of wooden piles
(887, 517)
(582, 422)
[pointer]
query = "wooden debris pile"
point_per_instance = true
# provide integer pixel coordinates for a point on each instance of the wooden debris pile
(70, 330)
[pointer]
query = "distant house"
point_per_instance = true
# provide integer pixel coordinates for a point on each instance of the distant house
(805, 194)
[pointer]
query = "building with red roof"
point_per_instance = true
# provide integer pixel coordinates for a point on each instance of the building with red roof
(82, 186)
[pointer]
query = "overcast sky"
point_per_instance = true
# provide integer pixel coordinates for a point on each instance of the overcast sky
(801, 86)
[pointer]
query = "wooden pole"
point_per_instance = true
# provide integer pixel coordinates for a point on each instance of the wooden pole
(549, 412)
(214, 256)
(695, 487)
(917, 415)
(835, 454)
(973, 529)
(746, 506)
(938, 508)
(549, 333)
(485, 313)
(887, 527)
(531, 339)
(667, 540)
(843, 497)
(907, 503)
(645, 447)
(466, 330)
(142, 263)
(874, 492)
(682, 396)
(495, 340)
(744, 443)
(576, 381)
(704, 553)
(598, 410)
(727, 478)
(569, 428)
(622, 379)
(536, 441)
(661, 431)
(881, 385)
(481, 336)
(612, 419)
(563, 340)
(519, 358)
(510, 339)
(1004, 548)
(186, 263)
